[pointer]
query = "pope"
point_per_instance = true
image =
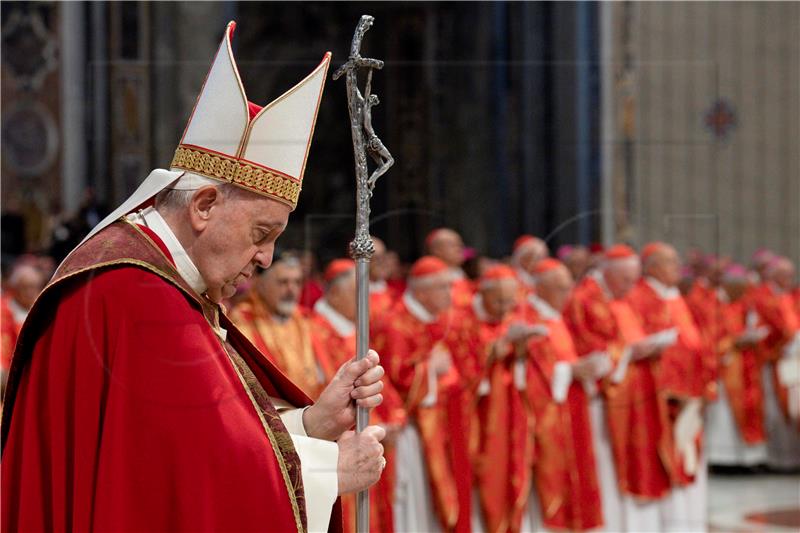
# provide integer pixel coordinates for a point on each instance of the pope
(133, 402)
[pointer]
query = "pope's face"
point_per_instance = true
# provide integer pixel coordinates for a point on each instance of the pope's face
(234, 234)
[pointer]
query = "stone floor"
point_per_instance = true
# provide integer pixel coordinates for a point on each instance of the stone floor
(754, 503)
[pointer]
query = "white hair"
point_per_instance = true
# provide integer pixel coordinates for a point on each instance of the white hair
(180, 195)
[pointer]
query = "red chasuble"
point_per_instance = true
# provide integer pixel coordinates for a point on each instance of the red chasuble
(564, 472)
(597, 323)
(776, 310)
(407, 343)
(703, 304)
(463, 291)
(677, 372)
(125, 410)
(740, 373)
(500, 423)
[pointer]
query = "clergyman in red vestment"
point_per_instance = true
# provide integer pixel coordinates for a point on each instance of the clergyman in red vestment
(133, 402)
(564, 474)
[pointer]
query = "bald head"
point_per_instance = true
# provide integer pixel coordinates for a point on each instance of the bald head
(26, 282)
(621, 274)
(664, 265)
(780, 271)
(447, 245)
(499, 297)
(577, 261)
(530, 253)
(555, 286)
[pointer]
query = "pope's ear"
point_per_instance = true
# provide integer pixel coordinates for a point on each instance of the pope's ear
(202, 203)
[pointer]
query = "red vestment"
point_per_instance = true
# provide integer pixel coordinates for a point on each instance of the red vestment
(500, 423)
(702, 302)
(564, 472)
(598, 323)
(126, 411)
(776, 310)
(463, 291)
(311, 292)
(407, 343)
(678, 371)
(740, 373)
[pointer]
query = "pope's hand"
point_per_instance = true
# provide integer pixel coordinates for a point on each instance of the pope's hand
(360, 459)
(335, 410)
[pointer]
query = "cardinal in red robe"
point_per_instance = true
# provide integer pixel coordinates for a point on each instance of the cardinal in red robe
(603, 325)
(489, 352)
(774, 305)
(678, 384)
(565, 474)
(434, 483)
(736, 427)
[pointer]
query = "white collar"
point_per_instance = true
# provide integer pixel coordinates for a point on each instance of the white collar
(526, 278)
(343, 326)
(597, 275)
(183, 264)
(663, 292)
(545, 310)
(480, 309)
(417, 309)
(378, 286)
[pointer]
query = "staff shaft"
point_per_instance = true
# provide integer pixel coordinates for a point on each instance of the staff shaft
(362, 346)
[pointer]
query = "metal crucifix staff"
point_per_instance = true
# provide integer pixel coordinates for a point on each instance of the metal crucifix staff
(361, 249)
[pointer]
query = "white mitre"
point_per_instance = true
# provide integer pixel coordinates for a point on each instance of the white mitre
(229, 139)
